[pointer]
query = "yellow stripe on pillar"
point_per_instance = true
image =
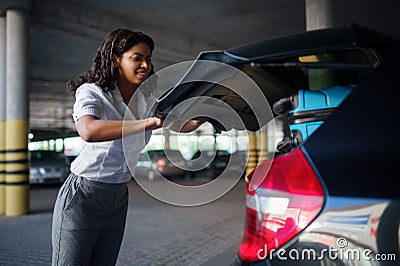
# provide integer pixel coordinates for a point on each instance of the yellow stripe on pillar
(17, 155)
(2, 167)
(16, 167)
(252, 158)
(262, 146)
(13, 167)
(17, 200)
(17, 134)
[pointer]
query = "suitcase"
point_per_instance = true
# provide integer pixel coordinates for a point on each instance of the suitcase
(306, 112)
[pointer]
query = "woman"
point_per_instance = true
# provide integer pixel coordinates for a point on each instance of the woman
(91, 207)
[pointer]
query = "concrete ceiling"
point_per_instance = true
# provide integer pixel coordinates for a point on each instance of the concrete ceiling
(65, 36)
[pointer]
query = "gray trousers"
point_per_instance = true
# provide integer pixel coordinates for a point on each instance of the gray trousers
(88, 222)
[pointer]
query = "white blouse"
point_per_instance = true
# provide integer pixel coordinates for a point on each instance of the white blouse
(109, 161)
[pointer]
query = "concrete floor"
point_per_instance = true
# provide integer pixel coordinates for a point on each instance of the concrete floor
(156, 233)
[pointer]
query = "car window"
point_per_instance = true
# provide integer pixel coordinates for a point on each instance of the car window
(155, 154)
(174, 153)
(323, 70)
(45, 156)
(210, 153)
(222, 153)
(143, 157)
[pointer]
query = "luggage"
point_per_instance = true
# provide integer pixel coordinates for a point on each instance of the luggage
(306, 112)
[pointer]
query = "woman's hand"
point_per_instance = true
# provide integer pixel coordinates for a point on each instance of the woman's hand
(153, 123)
(191, 125)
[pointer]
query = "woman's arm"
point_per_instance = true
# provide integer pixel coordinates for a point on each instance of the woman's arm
(180, 126)
(92, 129)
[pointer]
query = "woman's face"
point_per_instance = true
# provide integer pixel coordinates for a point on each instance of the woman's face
(134, 65)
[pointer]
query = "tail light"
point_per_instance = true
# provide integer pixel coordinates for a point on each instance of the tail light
(161, 163)
(288, 198)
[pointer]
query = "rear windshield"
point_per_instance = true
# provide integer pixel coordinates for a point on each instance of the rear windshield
(317, 71)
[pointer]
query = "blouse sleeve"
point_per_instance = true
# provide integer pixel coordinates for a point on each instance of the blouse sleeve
(87, 102)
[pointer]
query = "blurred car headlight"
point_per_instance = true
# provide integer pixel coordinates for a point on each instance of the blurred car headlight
(34, 171)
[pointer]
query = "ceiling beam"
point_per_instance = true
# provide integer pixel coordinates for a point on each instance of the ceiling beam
(87, 25)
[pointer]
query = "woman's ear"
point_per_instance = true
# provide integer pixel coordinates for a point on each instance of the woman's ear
(116, 60)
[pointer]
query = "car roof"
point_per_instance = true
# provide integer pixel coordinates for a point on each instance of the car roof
(314, 41)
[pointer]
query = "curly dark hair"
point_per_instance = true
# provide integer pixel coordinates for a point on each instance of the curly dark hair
(103, 71)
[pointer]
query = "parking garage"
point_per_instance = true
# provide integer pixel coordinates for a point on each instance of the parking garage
(44, 44)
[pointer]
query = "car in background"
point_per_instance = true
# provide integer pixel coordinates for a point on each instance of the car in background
(159, 163)
(212, 163)
(328, 197)
(47, 167)
(71, 157)
(238, 162)
(209, 164)
(144, 167)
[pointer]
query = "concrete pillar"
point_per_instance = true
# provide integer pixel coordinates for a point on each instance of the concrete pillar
(2, 111)
(17, 112)
(262, 146)
(319, 14)
(252, 157)
(166, 139)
